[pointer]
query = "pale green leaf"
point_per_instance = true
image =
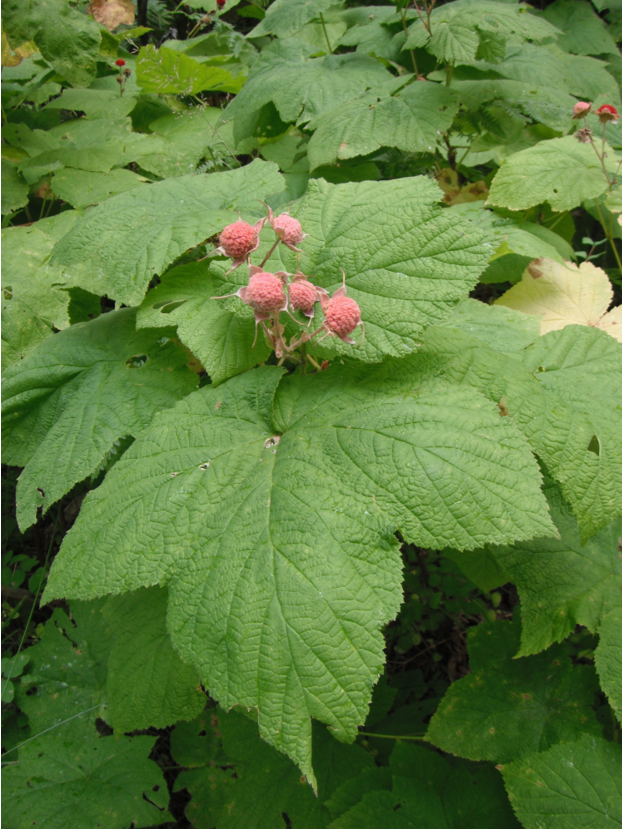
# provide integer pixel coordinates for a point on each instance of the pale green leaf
(584, 33)
(501, 329)
(119, 246)
(94, 103)
(220, 338)
(168, 71)
(284, 17)
(68, 40)
(83, 189)
(571, 785)
(279, 596)
(506, 708)
(148, 684)
(71, 399)
(411, 122)
(563, 583)
(429, 791)
(34, 299)
(608, 656)
(97, 781)
(14, 188)
(561, 171)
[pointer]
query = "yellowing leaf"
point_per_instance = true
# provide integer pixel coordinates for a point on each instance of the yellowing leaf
(564, 294)
(112, 13)
(13, 57)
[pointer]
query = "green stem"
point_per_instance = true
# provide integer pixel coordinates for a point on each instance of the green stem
(412, 54)
(270, 252)
(325, 33)
(391, 736)
(449, 73)
(608, 235)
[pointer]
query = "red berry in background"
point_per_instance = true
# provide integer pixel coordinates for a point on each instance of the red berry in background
(264, 293)
(581, 109)
(221, 3)
(238, 240)
(607, 113)
(342, 315)
(119, 62)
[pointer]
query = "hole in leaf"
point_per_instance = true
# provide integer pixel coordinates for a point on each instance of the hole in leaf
(137, 361)
(594, 446)
(41, 492)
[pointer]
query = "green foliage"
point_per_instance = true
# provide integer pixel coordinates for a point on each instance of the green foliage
(384, 526)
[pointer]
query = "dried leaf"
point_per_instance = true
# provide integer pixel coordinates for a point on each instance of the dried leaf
(112, 13)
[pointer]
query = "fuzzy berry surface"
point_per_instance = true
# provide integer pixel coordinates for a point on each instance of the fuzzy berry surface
(238, 239)
(265, 292)
(290, 229)
(342, 315)
(302, 295)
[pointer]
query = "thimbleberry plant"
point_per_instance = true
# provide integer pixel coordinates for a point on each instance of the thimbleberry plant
(312, 414)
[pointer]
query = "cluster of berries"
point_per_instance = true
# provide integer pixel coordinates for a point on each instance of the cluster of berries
(270, 293)
(123, 73)
(605, 113)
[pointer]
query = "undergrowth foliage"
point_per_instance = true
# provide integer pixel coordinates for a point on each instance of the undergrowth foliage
(312, 414)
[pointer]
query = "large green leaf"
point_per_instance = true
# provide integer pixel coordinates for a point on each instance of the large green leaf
(259, 788)
(571, 785)
(506, 708)
(34, 299)
(148, 685)
(584, 33)
(72, 398)
(278, 598)
(120, 245)
(561, 171)
(429, 791)
(83, 189)
(466, 30)
(95, 103)
(407, 261)
(302, 89)
(560, 394)
(219, 337)
(284, 17)
(608, 658)
(411, 122)
(68, 40)
(97, 781)
(563, 583)
(168, 71)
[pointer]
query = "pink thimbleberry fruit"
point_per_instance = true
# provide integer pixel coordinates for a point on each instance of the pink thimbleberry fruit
(302, 295)
(581, 109)
(264, 293)
(288, 229)
(342, 315)
(607, 113)
(238, 240)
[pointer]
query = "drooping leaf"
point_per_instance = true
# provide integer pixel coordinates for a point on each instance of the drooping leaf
(563, 583)
(119, 246)
(83, 189)
(507, 708)
(565, 294)
(34, 295)
(286, 563)
(95, 103)
(97, 781)
(572, 784)
(411, 122)
(68, 40)
(148, 685)
(608, 657)
(429, 791)
(14, 188)
(220, 338)
(561, 171)
(67, 403)
(284, 17)
(168, 71)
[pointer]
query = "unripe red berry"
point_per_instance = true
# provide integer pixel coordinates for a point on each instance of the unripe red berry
(302, 295)
(581, 109)
(119, 62)
(342, 315)
(238, 240)
(265, 293)
(221, 3)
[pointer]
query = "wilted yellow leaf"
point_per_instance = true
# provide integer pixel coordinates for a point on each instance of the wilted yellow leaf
(112, 13)
(565, 294)
(13, 57)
